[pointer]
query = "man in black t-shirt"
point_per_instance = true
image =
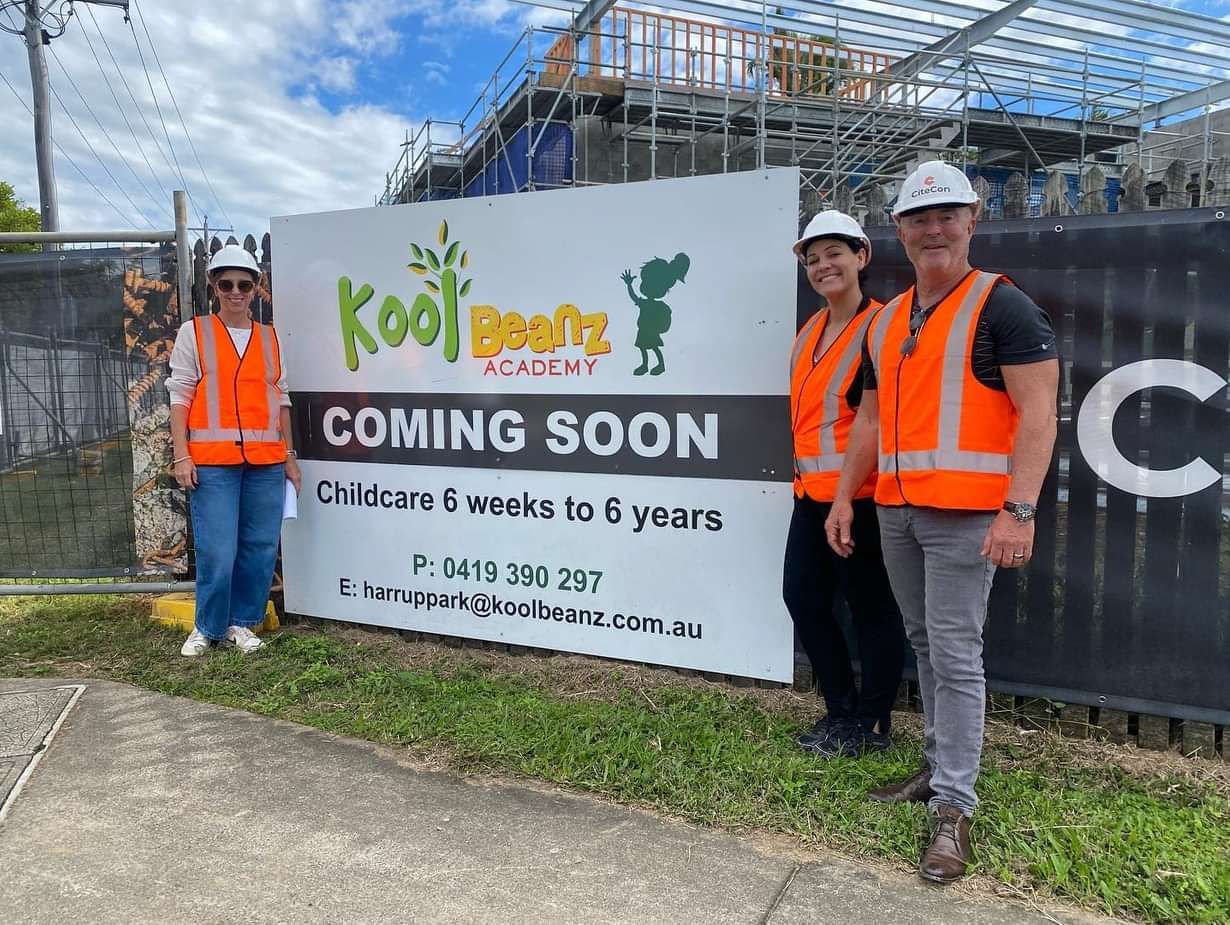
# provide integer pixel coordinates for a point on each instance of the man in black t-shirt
(960, 376)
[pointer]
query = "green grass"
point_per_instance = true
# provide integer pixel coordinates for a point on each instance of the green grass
(1057, 818)
(56, 515)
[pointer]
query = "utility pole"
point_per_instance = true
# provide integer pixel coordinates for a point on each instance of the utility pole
(42, 25)
(49, 206)
(205, 230)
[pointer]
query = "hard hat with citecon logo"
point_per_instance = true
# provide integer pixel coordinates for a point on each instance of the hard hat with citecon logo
(932, 184)
(830, 224)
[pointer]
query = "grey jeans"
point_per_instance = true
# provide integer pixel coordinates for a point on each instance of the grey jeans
(942, 583)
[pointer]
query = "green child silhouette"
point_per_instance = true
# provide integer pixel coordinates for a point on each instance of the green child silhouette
(654, 320)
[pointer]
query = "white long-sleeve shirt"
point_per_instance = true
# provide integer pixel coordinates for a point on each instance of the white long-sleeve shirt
(186, 365)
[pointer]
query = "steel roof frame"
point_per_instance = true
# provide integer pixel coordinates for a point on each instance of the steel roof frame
(1185, 55)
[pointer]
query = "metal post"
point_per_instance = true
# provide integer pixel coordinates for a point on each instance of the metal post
(726, 114)
(183, 255)
(1204, 167)
(653, 109)
(578, 107)
(965, 108)
(529, 109)
(8, 447)
(624, 138)
(1080, 167)
(692, 171)
(1140, 120)
(836, 107)
(762, 101)
(48, 203)
(119, 587)
(412, 163)
(429, 159)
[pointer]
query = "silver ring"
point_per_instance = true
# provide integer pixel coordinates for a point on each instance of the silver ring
(1018, 555)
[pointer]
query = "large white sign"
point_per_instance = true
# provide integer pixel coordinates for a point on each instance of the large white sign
(555, 420)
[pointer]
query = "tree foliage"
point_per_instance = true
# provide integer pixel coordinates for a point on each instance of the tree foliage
(15, 215)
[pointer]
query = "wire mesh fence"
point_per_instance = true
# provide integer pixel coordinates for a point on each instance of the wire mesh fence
(85, 335)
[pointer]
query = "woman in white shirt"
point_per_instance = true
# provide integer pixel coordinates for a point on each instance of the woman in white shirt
(230, 428)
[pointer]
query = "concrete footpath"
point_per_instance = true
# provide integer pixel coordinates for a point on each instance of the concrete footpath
(148, 808)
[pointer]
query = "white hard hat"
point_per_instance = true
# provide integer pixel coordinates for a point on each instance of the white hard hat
(831, 224)
(932, 184)
(233, 257)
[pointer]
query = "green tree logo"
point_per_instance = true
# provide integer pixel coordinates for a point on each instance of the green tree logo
(428, 263)
(425, 320)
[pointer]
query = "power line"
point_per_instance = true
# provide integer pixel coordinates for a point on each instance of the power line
(157, 108)
(65, 154)
(171, 93)
(136, 142)
(98, 157)
(107, 135)
(136, 105)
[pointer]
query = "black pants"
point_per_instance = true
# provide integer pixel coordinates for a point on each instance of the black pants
(814, 575)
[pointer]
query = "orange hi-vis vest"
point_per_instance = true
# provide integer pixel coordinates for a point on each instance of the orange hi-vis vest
(945, 438)
(821, 418)
(235, 413)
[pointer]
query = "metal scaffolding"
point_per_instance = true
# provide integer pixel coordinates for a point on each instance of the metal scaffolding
(853, 97)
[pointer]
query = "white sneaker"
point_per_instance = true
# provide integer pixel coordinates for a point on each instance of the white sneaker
(243, 639)
(196, 644)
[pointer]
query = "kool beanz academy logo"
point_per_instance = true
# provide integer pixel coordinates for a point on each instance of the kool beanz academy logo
(496, 337)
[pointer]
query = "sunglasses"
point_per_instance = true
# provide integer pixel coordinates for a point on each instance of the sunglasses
(226, 285)
(916, 322)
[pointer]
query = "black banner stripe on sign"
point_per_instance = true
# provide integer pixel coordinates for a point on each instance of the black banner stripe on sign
(1084, 293)
(1201, 555)
(1121, 611)
(745, 437)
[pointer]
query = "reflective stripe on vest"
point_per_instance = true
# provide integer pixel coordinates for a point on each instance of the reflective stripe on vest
(821, 418)
(272, 374)
(234, 436)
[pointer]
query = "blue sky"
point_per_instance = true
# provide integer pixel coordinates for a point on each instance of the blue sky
(293, 106)
(302, 108)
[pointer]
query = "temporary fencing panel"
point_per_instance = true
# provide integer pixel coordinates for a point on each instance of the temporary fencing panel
(83, 351)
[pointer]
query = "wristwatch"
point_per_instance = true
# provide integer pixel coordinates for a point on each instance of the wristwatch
(1023, 511)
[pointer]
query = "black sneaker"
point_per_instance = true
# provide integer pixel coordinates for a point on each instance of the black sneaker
(821, 729)
(875, 741)
(824, 735)
(852, 739)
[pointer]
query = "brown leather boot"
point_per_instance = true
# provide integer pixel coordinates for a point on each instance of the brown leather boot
(948, 853)
(915, 789)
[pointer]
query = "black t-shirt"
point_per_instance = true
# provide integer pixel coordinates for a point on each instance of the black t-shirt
(1012, 330)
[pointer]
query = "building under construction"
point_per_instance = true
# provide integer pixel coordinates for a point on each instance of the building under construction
(853, 95)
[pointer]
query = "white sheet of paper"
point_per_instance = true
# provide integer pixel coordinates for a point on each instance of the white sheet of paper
(290, 503)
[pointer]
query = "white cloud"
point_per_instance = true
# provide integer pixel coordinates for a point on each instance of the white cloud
(436, 72)
(242, 75)
(337, 74)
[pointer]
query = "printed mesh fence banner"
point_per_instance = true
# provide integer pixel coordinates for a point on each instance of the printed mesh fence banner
(1126, 603)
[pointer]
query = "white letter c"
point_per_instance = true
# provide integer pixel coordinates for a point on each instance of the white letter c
(1097, 415)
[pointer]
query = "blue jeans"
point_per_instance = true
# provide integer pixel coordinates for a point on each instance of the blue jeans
(236, 523)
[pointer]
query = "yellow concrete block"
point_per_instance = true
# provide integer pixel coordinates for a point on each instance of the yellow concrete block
(179, 612)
